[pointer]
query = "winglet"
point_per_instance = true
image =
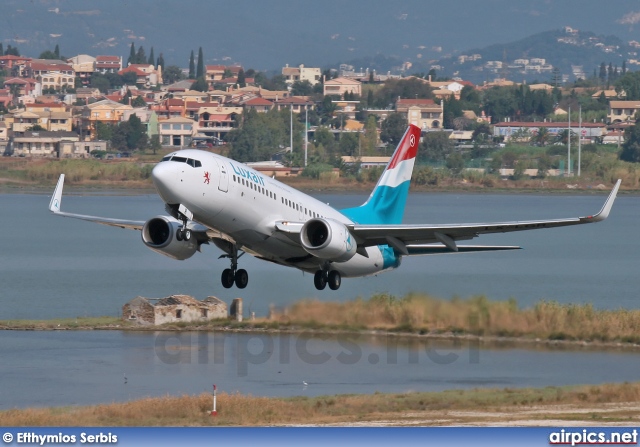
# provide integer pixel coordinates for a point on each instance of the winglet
(56, 199)
(606, 208)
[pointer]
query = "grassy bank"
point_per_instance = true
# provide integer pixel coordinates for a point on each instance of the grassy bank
(134, 174)
(415, 314)
(456, 407)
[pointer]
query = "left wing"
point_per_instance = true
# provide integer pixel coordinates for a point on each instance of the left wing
(406, 237)
(436, 239)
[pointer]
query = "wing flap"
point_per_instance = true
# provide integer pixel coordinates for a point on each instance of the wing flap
(437, 249)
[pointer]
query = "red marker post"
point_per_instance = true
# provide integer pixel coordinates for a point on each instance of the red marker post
(214, 412)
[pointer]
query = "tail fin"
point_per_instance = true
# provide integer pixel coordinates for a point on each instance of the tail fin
(386, 203)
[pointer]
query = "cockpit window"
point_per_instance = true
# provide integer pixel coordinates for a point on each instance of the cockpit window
(190, 161)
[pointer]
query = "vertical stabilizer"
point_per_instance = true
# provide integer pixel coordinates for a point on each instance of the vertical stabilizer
(386, 203)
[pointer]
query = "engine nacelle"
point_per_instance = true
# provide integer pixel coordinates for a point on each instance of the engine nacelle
(328, 239)
(159, 234)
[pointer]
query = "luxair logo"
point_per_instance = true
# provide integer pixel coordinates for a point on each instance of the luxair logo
(349, 242)
(412, 140)
(56, 204)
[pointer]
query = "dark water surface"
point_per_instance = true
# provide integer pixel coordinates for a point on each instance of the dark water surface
(56, 267)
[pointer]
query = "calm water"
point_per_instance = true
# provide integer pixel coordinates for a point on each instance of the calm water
(72, 368)
(55, 267)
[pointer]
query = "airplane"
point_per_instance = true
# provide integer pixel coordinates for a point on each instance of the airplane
(213, 199)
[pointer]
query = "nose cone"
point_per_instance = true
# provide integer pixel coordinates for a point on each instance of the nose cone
(164, 177)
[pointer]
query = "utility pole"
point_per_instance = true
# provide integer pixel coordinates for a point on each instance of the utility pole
(291, 128)
(579, 139)
(569, 146)
(306, 133)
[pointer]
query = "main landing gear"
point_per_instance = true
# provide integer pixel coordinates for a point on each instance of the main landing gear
(326, 276)
(234, 275)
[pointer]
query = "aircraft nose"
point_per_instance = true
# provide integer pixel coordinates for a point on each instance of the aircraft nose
(163, 176)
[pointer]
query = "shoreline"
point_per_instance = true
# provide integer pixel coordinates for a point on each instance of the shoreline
(484, 341)
(577, 405)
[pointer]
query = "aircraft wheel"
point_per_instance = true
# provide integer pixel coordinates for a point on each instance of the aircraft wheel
(334, 280)
(242, 279)
(186, 234)
(227, 278)
(179, 235)
(320, 280)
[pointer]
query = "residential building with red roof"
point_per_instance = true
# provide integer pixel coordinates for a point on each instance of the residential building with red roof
(424, 113)
(108, 64)
(260, 105)
(52, 74)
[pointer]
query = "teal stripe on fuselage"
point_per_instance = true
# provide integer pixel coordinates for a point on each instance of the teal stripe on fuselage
(385, 207)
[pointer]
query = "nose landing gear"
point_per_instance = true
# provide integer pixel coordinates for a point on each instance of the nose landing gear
(184, 233)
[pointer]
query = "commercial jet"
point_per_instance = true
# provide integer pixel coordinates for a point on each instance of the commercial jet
(213, 199)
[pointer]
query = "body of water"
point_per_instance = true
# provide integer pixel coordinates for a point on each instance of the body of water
(58, 368)
(56, 267)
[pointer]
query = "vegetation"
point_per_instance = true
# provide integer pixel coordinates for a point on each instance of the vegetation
(453, 407)
(416, 313)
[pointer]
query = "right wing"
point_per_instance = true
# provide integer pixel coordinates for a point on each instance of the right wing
(201, 232)
(56, 203)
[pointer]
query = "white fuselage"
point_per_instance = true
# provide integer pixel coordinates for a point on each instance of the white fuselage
(244, 205)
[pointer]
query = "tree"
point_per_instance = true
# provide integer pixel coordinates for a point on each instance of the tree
(56, 51)
(129, 78)
(455, 163)
(631, 146)
(303, 88)
(1, 49)
(132, 55)
(154, 143)
(241, 78)
(630, 85)
(152, 60)
(48, 54)
(200, 70)
(393, 128)
(348, 144)
(12, 51)
(141, 57)
(160, 63)
(172, 74)
(261, 134)
(200, 85)
(192, 66)
(104, 131)
(138, 102)
(137, 136)
(435, 146)
(100, 82)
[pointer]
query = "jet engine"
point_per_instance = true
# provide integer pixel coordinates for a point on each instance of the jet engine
(159, 234)
(328, 239)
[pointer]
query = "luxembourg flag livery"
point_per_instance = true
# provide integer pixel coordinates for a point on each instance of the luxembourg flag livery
(385, 205)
